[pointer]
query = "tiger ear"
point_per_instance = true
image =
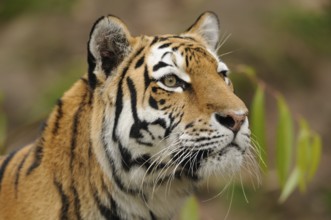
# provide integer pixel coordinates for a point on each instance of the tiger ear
(208, 28)
(110, 41)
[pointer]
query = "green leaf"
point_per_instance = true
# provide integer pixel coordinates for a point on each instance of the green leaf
(303, 154)
(258, 124)
(290, 185)
(284, 140)
(316, 149)
(190, 210)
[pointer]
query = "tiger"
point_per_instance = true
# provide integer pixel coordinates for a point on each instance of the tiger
(152, 118)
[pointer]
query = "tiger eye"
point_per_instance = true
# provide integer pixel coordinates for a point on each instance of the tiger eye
(170, 81)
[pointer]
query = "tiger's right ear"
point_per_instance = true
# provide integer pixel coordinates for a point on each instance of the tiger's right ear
(110, 41)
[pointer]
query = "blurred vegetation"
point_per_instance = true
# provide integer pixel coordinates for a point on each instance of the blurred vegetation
(2, 126)
(313, 27)
(53, 92)
(9, 9)
(307, 146)
(190, 211)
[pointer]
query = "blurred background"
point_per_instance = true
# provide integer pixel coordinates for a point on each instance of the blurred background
(43, 51)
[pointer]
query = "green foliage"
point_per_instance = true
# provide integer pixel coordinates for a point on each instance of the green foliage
(307, 159)
(284, 140)
(291, 184)
(308, 144)
(12, 8)
(257, 121)
(315, 157)
(190, 210)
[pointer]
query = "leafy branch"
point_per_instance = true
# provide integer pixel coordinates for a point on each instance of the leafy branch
(306, 143)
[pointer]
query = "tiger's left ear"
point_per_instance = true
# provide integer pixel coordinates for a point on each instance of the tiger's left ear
(110, 42)
(208, 28)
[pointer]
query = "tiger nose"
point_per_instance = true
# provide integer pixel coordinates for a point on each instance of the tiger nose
(232, 121)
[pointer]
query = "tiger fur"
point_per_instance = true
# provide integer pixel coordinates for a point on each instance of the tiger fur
(132, 139)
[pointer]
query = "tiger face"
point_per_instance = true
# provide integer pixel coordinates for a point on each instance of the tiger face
(170, 112)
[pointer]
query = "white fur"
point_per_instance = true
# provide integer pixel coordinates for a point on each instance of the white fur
(209, 30)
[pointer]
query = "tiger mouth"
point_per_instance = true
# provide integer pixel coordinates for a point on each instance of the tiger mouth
(193, 158)
(231, 146)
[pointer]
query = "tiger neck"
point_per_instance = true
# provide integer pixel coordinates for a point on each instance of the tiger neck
(75, 150)
(67, 130)
(67, 151)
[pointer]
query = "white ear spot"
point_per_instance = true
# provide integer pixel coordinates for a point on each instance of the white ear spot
(210, 31)
(207, 26)
(109, 43)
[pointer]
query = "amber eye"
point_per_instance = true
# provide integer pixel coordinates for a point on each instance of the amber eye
(170, 81)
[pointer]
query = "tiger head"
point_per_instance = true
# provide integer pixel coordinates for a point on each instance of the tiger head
(164, 104)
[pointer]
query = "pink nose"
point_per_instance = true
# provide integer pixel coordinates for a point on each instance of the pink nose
(231, 121)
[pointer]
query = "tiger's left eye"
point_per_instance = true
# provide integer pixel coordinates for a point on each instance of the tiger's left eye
(170, 81)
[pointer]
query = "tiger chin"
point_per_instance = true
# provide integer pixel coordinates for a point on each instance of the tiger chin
(153, 117)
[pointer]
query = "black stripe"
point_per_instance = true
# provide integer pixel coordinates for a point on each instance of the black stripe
(186, 61)
(114, 210)
(183, 37)
(140, 62)
(89, 91)
(59, 115)
(119, 96)
(165, 54)
(147, 80)
(138, 125)
(164, 45)
(154, 40)
(173, 124)
(104, 210)
(153, 103)
(142, 161)
(153, 217)
(161, 39)
(118, 105)
(189, 125)
(75, 131)
(126, 157)
(133, 95)
(92, 78)
(64, 200)
(38, 156)
(5, 164)
(116, 178)
(160, 122)
(204, 138)
(160, 65)
(76, 203)
(19, 168)
(90, 150)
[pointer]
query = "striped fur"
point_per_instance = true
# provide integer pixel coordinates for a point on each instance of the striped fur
(126, 143)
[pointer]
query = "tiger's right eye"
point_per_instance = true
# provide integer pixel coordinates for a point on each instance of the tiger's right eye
(170, 81)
